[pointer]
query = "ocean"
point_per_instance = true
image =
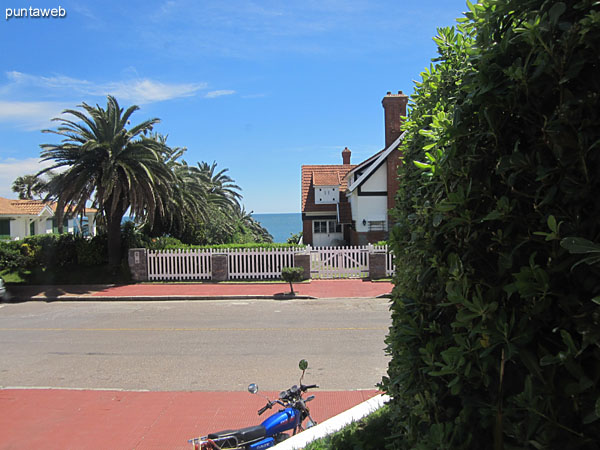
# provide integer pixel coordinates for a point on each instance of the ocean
(281, 226)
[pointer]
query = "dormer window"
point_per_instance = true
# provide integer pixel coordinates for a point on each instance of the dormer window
(326, 195)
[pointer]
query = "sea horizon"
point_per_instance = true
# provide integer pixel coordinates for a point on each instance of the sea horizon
(280, 225)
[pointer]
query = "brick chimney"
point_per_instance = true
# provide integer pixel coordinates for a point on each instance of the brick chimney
(394, 106)
(346, 156)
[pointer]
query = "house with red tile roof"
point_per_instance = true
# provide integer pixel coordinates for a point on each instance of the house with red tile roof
(22, 218)
(348, 204)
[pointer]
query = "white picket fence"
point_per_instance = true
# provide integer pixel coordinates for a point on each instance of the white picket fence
(259, 263)
(263, 263)
(194, 264)
(179, 264)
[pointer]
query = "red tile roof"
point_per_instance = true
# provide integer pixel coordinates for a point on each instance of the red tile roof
(27, 207)
(317, 175)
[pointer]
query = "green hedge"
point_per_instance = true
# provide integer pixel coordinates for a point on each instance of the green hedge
(162, 245)
(51, 252)
(495, 340)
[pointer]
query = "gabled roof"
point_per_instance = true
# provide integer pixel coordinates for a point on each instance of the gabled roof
(315, 175)
(373, 164)
(327, 178)
(23, 207)
(12, 207)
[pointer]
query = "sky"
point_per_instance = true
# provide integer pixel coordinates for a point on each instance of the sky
(260, 87)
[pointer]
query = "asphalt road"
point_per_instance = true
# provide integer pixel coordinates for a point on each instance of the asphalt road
(196, 345)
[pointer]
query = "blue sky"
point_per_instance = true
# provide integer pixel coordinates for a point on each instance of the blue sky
(260, 87)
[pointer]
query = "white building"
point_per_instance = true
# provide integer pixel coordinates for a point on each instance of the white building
(22, 218)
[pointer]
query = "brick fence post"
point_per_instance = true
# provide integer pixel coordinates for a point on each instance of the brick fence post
(303, 260)
(220, 267)
(377, 265)
(138, 263)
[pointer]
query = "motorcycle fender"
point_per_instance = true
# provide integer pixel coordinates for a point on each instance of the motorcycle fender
(265, 443)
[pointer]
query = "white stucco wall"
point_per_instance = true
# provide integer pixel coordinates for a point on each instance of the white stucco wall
(377, 182)
(20, 226)
(370, 208)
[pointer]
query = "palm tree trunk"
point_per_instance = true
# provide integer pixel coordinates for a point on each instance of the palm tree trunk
(60, 214)
(113, 225)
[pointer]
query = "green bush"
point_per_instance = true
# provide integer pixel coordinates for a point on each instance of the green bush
(495, 337)
(292, 275)
(172, 243)
(92, 252)
(11, 257)
(370, 433)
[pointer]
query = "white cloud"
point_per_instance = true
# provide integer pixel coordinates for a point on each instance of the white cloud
(214, 94)
(149, 91)
(12, 168)
(136, 90)
(30, 116)
(35, 115)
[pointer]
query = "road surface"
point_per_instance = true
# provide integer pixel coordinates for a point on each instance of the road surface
(193, 345)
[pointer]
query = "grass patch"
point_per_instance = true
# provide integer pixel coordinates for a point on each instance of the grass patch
(369, 433)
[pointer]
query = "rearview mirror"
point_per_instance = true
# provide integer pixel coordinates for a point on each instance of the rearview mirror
(253, 388)
(303, 364)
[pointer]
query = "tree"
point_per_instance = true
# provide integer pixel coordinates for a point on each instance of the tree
(28, 186)
(188, 197)
(291, 275)
(115, 168)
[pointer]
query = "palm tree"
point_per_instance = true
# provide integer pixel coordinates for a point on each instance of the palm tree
(115, 168)
(188, 197)
(222, 189)
(248, 224)
(27, 186)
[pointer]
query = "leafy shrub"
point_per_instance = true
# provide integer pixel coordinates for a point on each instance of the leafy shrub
(370, 433)
(11, 257)
(291, 275)
(92, 252)
(495, 340)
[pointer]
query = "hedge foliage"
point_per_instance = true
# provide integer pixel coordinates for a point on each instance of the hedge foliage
(52, 252)
(495, 339)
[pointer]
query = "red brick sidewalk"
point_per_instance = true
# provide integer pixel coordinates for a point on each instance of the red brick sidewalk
(190, 291)
(316, 288)
(70, 419)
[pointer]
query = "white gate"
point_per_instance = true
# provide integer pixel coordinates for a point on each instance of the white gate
(339, 262)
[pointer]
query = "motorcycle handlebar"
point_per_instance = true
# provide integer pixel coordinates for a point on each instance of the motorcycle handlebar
(310, 386)
(263, 409)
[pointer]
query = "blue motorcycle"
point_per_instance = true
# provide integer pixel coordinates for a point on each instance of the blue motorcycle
(272, 430)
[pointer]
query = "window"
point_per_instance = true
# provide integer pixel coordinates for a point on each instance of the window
(326, 226)
(376, 225)
(4, 228)
(320, 226)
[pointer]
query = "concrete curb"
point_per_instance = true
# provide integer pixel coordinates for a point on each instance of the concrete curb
(334, 424)
(145, 298)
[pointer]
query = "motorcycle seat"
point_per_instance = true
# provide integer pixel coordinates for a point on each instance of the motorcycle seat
(242, 435)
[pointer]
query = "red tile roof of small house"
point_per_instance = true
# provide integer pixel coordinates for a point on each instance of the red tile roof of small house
(322, 175)
(28, 207)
